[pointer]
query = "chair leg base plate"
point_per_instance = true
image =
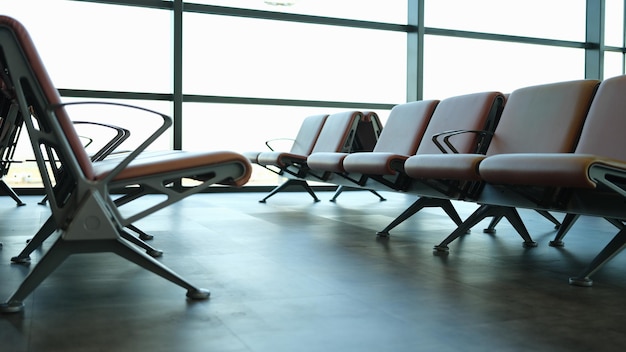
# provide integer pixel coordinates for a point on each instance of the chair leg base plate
(198, 294)
(146, 237)
(20, 260)
(11, 307)
(557, 244)
(441, 250)
(582, 282)
(529, 244)
(154, 253)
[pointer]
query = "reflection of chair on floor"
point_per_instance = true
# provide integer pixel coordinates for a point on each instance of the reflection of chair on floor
(83, 209)
(336, 135)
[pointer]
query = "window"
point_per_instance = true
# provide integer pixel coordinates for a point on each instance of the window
(456, 66)
(613, 64)
(614, 23)
(99, 46)
(97, 49)
(229, 56)
(528, 18)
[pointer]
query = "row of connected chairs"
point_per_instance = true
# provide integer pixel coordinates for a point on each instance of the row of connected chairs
(403, 136)
(80, 192)
(551, 148)
(342, 132)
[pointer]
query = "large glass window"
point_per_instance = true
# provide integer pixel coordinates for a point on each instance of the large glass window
(99, 46)
(456, 66)
(553, 19)
(613, 64)
(228, 56)
(614, 23)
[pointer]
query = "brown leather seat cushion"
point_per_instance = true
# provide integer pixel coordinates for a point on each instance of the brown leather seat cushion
(153, 163)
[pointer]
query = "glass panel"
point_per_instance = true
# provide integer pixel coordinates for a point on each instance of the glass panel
(24, 172)
(245, 128)
(99, 46)
(614, 23)
(613, 64)
(272, 59)
(390, 11)
(454, 66)
(529, 18)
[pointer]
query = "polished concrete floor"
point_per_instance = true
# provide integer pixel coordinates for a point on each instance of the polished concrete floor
(293, 275)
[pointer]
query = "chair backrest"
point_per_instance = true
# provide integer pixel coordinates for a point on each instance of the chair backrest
(470, 112)
(27, 77)
(405, 127)
(307, 135)
(544, 118)
(367, 132)
(338, 132)
(603, 131)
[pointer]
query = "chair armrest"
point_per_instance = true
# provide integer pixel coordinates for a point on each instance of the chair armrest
(269, 141)
(121, 135)
(87, 139)
(446, 138)
(166, 123)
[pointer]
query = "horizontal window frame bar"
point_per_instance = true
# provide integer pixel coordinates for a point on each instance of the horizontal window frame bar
(153, 4)
(293, 17)
(615, 49)
(284, 102)
(189, 98)
(508, 38)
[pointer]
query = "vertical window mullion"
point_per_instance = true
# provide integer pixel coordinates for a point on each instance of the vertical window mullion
(594, 37)
(177, 52)
(415, 50)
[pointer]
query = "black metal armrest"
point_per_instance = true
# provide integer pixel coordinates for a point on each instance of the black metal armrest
(166, 123)
(269, 141)
(446, 138)
(122, 134)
